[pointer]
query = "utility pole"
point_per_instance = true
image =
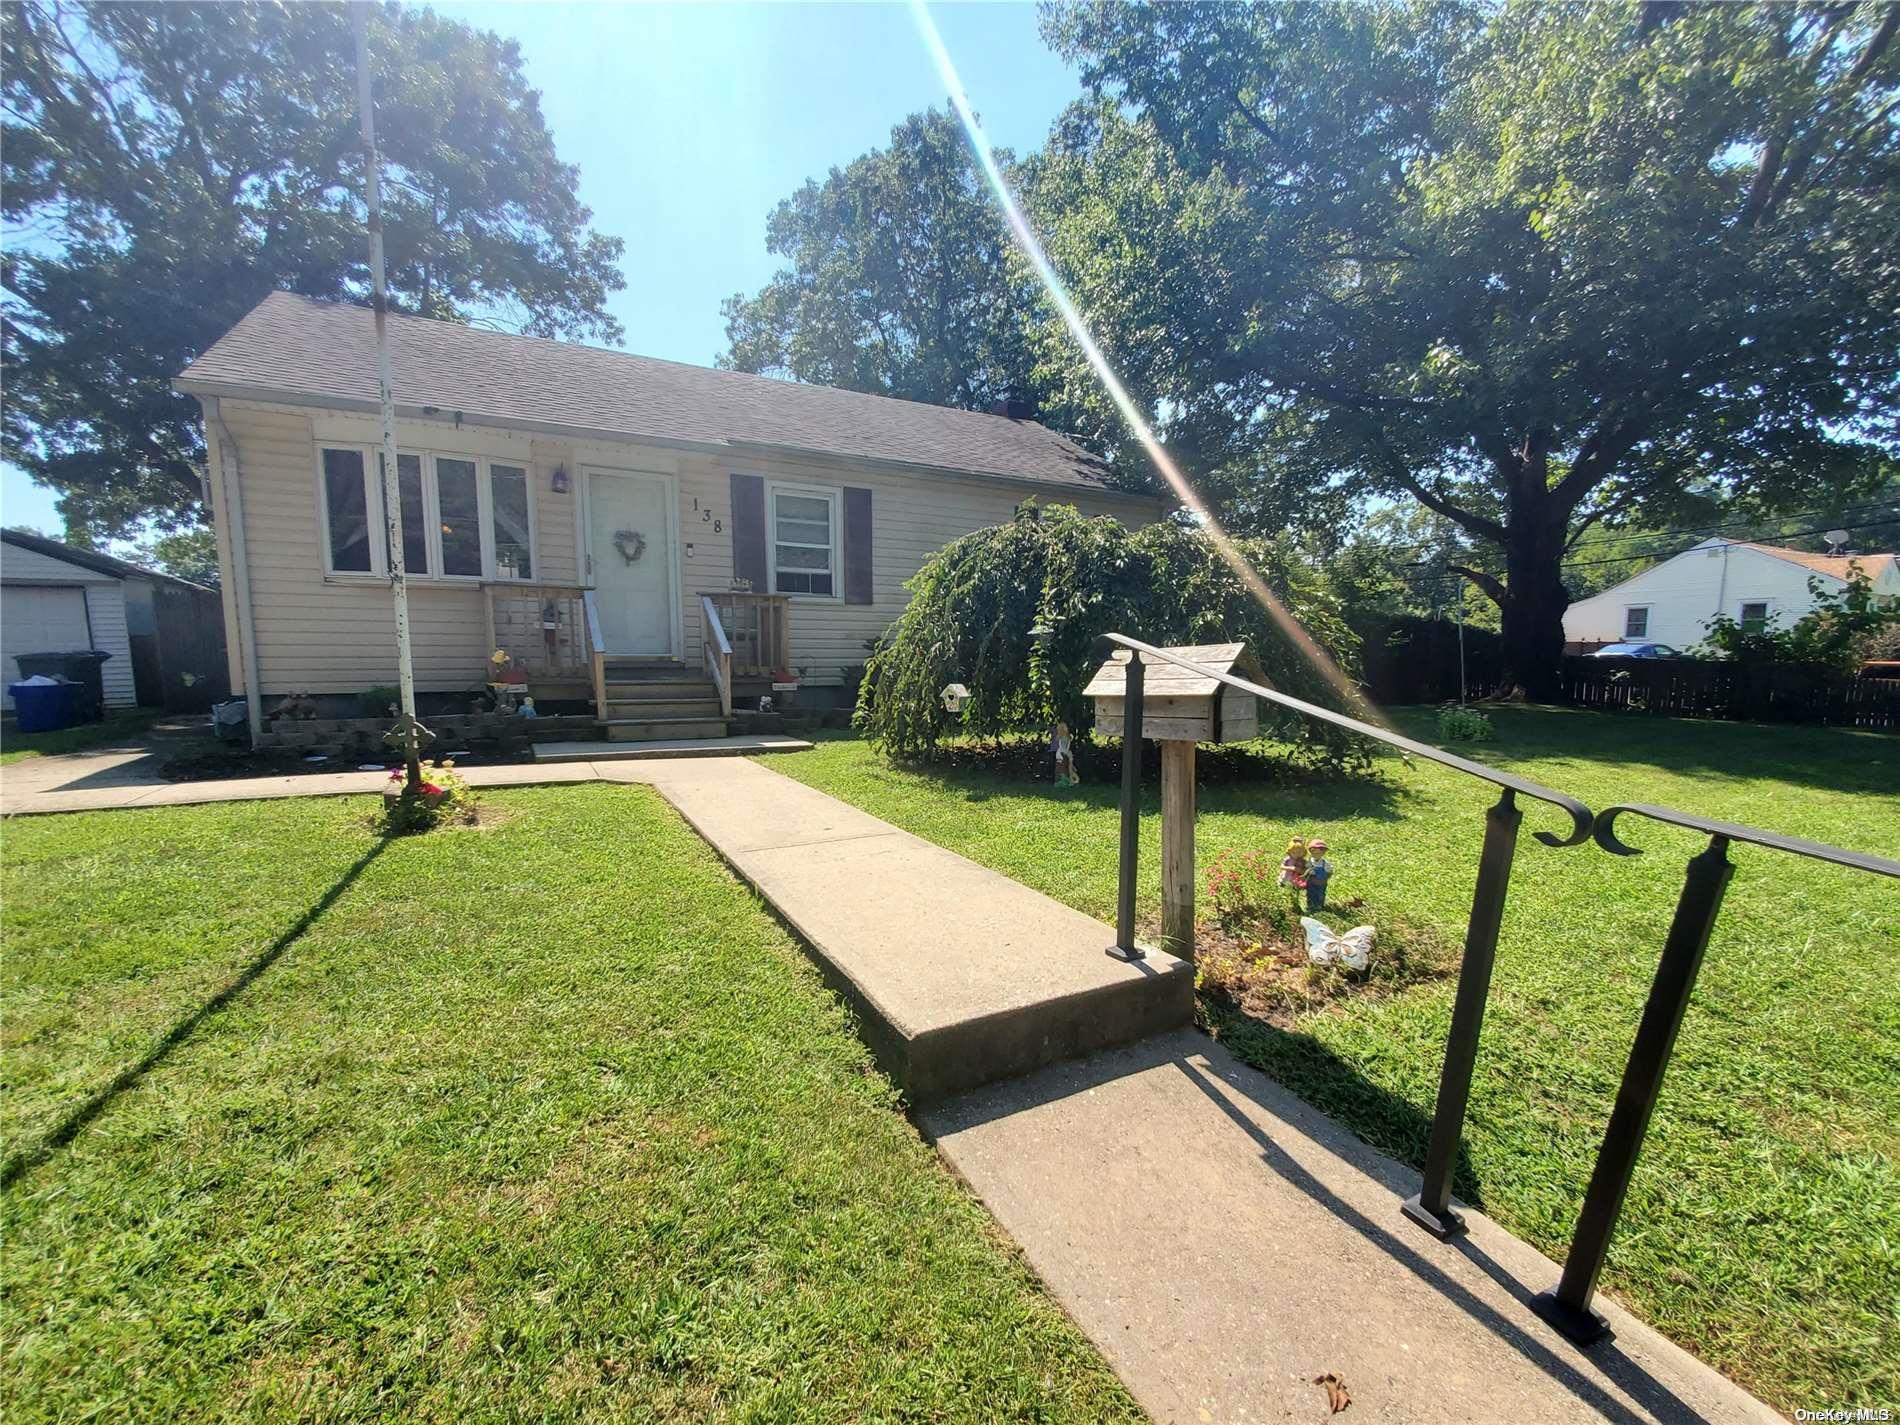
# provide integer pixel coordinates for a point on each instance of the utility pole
(406, 727)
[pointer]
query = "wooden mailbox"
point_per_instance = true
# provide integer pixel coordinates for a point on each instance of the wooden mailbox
(1177, 705)
(1179, 708)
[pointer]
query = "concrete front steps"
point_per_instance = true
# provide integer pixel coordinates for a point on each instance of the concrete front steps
(659, 700)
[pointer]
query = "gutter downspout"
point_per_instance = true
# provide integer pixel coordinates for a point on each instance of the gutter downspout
(232, 499)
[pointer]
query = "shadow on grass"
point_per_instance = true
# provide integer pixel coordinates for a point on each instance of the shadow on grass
(1833, 759)
(1394, 1125)
(69, 1127)
(1227, 779)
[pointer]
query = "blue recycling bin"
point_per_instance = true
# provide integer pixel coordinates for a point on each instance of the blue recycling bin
(47, 707)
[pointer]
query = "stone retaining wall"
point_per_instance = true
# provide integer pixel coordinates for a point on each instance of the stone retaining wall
(362, 737)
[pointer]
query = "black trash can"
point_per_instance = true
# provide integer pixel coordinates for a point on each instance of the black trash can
(83, 666)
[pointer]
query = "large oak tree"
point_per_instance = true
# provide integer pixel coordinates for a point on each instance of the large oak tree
(897, 281)
(1535, 266)
(167, 165)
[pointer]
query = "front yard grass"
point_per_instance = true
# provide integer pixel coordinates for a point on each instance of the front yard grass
(1763, 1229)
(543, 1120)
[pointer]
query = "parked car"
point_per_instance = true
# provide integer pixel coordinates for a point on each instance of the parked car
(1636, 650)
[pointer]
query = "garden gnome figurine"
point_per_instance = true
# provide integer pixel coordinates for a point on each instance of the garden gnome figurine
(1065, 757)
(1318, 872)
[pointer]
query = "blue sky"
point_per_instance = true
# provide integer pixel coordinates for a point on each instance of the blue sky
(690, 121)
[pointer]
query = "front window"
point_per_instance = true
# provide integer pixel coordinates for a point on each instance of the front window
(462, 517)
(460, 507)
(508, 504)
(804, 541)
(415, 515)
(1636, 623)
(1755, 616)
(346, 511)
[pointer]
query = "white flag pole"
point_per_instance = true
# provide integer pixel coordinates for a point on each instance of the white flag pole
(392, 485)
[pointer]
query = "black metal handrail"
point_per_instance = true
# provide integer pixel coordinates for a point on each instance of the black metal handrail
(1431, 1207)
(1568, 1307)
(1579, 813)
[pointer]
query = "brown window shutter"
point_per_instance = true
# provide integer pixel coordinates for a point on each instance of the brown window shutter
(748, 532)
(857, 546)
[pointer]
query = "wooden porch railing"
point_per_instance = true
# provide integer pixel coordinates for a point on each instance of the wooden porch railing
(541, 627)
(758, 630)
(596, 652)
(718, 656)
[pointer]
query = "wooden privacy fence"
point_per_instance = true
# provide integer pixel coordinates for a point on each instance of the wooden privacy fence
(1687, 687)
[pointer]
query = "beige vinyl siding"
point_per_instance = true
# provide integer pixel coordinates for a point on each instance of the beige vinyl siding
(335, 634)
(912, 517)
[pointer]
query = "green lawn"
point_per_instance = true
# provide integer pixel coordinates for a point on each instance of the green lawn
(545, 1120)
(1763, 1230)
(116, 727)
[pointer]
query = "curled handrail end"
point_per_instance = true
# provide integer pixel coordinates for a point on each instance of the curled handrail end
(1606, 837)
(1581, 820)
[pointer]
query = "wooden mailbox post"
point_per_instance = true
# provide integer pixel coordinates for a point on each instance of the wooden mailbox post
(1179, 709)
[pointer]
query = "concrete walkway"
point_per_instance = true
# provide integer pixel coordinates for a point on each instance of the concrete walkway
(1221, 1242)
(110, 778)
(959, 976)
(1224, 1244)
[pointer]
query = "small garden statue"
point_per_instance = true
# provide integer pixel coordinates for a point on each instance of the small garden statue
(1318, 872)
(1293, 865)
(1064, 756)
(526, 709)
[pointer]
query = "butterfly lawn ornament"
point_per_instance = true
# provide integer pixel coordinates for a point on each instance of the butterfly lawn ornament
(1323, 947)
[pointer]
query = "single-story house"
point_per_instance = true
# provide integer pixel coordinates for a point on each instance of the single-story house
(609, 520)
(1673, 602)
(163, 634)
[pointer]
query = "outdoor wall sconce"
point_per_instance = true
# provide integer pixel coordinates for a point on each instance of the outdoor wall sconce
(560, 479)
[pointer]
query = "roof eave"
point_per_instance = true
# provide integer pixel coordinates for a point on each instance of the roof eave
(188, 385)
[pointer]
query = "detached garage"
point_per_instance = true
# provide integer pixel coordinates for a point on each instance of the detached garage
(165, 635)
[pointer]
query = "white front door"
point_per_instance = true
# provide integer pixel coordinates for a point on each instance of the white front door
(630, 541)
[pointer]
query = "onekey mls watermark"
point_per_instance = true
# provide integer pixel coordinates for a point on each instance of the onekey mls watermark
(1848, 1415)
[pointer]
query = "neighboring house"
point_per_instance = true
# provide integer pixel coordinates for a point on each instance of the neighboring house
(603, 517)
(164, 634)
(1674, 601)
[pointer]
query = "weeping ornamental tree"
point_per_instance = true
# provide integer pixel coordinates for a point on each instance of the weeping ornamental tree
(974, 603)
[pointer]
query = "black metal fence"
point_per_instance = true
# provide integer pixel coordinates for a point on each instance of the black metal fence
(1567, 1307)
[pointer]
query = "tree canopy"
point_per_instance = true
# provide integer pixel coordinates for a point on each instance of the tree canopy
(973, 604)
(1533, 266)
(898, 280)
(165, 166)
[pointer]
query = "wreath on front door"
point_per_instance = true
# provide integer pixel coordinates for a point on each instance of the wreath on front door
(625, 537)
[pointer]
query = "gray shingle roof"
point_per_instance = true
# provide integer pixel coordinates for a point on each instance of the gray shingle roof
(326, 351)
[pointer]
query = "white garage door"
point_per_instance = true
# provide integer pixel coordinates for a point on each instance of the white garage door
(39, 620)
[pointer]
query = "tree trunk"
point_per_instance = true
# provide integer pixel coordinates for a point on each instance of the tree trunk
(1532, 611)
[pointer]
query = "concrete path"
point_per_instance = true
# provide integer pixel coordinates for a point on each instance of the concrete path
(109, 778)
(1224, 1244)
(742, 745)
(959, 976)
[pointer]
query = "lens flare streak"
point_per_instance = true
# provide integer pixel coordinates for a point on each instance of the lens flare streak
(1032, 249)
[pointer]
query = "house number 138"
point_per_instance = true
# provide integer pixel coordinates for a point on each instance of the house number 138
(706, 517)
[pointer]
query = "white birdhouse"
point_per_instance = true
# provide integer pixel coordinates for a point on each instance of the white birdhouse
(954, 696)
(1179, 705)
